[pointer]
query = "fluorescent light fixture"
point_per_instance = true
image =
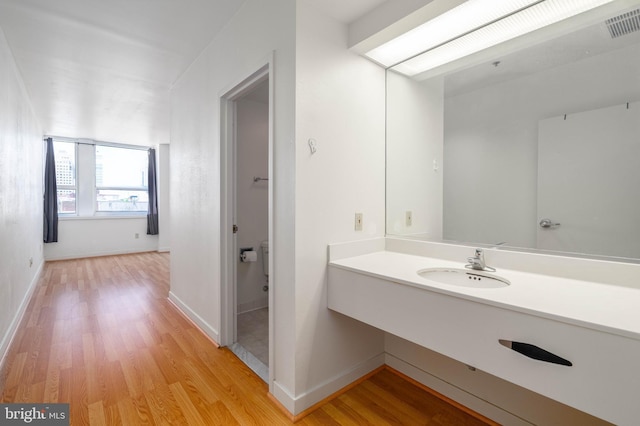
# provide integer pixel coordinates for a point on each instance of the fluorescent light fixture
(471, 27)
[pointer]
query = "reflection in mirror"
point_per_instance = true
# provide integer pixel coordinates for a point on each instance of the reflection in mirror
(536, 149)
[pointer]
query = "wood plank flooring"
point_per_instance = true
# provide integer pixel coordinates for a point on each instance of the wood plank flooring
(100, 334)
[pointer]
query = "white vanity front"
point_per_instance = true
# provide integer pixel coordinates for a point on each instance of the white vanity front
(593, 326)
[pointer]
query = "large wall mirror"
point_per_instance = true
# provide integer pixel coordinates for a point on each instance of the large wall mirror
(533, 144)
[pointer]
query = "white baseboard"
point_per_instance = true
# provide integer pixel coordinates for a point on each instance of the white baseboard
(284, 397)
(197, 319)
(297, 405)
(253, 305)
(97, 254)
(8, 337)
(457, 394)
(164, 249)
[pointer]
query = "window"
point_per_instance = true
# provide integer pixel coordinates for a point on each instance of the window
(100, 179)
(121, 179)
(65, 154)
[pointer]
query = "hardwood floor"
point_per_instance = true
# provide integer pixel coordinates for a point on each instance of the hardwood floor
(100, 334)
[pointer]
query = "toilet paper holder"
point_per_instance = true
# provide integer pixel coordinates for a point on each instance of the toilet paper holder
(248, 254)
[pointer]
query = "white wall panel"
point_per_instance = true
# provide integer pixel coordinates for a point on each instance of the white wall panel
(164, 198)
(339, 104)
(86, 237)
(415, 122)
(21, 196)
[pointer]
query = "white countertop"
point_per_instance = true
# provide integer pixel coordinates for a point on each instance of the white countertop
(609, 308)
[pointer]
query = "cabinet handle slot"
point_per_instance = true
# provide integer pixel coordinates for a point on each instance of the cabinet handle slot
(533, 351)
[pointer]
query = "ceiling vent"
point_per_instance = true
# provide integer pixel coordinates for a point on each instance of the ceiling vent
(624, 24)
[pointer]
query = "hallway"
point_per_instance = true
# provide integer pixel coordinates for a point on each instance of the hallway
(101, 334)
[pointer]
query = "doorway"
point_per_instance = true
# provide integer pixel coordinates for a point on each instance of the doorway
(246, 219)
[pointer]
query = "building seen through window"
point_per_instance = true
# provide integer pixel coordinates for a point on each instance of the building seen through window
(121, 179)
(65, 154)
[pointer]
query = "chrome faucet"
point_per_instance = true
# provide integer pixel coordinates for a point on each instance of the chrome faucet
(478, 263)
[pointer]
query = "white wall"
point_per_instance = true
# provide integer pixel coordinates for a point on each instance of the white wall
(252, 159)
(491, 143)
(21, 197)
(339, 100)
(164, 198)
(415, 123)
(339, 103)
(258, 29)
(87, 237)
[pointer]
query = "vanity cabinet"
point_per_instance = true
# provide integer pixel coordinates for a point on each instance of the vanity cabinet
(603, 380)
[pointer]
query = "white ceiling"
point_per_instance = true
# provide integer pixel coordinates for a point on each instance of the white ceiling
(572, 47)
(103, 69)
(346, 11)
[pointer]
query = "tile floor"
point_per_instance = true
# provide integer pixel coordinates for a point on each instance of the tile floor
(253, 335)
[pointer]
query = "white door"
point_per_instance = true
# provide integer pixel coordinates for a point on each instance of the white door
(239, 214)
(589, 182)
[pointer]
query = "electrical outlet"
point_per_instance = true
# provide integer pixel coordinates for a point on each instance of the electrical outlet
(408, 218)
(136, 235)
(358, 222)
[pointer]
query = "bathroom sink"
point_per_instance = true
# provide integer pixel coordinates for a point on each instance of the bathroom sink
(463, 277)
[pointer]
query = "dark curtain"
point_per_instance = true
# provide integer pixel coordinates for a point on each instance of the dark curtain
(152, 214)
(50, 196)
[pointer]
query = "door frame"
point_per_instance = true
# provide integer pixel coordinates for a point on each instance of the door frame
(228, 244)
